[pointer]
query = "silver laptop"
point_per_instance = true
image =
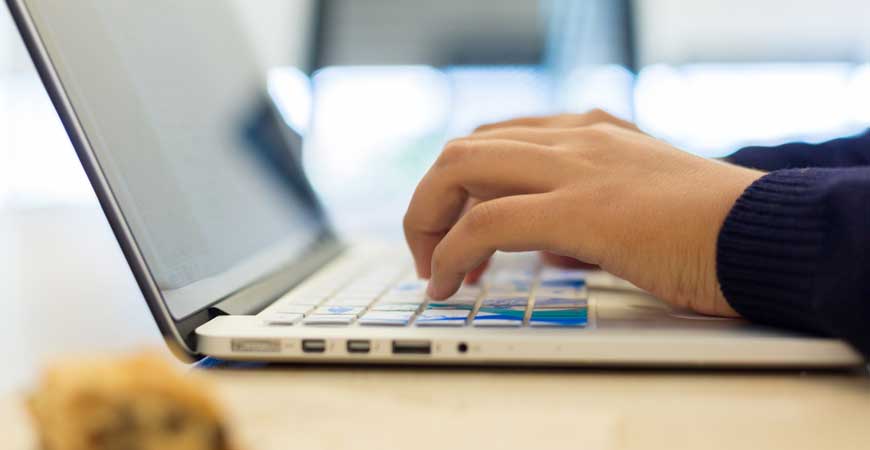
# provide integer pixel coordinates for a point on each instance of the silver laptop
(201, 181)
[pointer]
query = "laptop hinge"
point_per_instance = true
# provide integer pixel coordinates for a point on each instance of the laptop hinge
(260, 294)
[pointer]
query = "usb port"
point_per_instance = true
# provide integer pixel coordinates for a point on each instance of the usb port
(313, 345)
(359, 346)
(412, 347)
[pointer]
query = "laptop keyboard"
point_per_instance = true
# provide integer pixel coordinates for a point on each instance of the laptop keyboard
(517, 294)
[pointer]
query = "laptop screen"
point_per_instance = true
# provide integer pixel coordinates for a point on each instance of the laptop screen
(172, 102)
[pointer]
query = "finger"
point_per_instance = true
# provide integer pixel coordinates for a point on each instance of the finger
(484, 169)
(474, 276)
(515, 223)
(478, 272)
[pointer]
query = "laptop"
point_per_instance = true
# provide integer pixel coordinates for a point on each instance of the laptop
(203, 184)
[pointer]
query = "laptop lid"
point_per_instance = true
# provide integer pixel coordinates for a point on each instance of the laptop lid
(199, 177)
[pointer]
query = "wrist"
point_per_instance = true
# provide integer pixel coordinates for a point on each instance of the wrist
(733, 182)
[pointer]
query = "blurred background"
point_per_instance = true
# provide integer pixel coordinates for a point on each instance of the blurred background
(377, 86)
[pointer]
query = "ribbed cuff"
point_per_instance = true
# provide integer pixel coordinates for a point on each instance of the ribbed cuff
(769, 250)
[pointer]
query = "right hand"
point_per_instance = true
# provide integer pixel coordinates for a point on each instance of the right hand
(566, 120)
(636, 206)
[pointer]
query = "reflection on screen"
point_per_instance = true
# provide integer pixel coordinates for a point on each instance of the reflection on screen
(170, 99)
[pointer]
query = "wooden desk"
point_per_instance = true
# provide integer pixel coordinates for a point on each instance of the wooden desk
(68, 290)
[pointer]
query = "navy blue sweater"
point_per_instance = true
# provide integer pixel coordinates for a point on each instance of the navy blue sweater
(795, 249)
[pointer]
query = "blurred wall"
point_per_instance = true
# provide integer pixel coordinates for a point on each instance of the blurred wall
(13, 58)
(685, 31)
(445, 32)
(281, 29)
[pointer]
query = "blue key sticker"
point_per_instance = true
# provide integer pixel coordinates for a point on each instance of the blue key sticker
(341, 309)
(506, 302)
(559, 303)
(572, 283)
(500, 314)
(575, 317)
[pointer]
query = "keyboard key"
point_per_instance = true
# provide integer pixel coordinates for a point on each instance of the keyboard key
(410, 286)
(499, 317)
(436, 306)
(395, 318)
(395, 307)
(443, 318)
(457, 303)
(302, 300)
(292, 308)
(314, 291)
(340, 309)
(282, 318)
(349, 301)
(403, 300)
(361, 291)
(505, 302)
(574, 317)
(559, 303)
(509, 275)
(555, 273)
(329, 319)
(570, 283)
(468, 292)
(510, 286)
(559, 292)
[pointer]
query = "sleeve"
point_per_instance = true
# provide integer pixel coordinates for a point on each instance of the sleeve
(794, 251)
(843, 152)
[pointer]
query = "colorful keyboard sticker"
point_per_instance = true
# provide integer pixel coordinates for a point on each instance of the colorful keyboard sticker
(412, 307)
(573, 317)
(443, 317)
(403, 300)
(510, 286)
(395, 318)
(349, 301)
(451, 304)
(499, 317)
(505, 302)
(570, 283)
(560, 303)
(411, 286)
(339, 309)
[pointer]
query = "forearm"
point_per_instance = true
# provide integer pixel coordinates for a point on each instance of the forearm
(795, 251)
(844, 152)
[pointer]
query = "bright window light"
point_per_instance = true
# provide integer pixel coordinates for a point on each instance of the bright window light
(608, 87)
(484, 94)
(290, 89)
(713, 109)
(43, 167)
(361, 113)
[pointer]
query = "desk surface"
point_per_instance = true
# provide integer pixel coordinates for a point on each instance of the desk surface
(66, 288)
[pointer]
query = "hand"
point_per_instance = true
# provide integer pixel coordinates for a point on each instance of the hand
(636, 206)
(595, 116)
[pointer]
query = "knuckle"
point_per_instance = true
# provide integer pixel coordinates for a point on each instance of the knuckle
(598, 115)
(485, 127)
(454, 152)
(479, 218)
(595, 133)
(407, 222)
